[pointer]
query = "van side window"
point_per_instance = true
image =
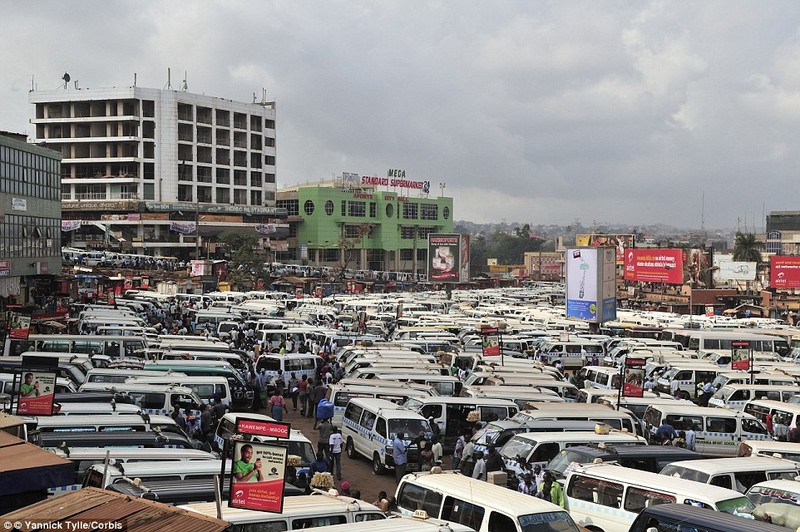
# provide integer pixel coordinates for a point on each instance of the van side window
(154, 401)
(544, 452)
(684, 422)
(353, 413)
(595, 491)
(723, 481)
(368, 420)
(500, 523)
(753, 427)
(431, 411)
(494, 413)
(380, 427)
(312, 522)
(274, 526)
(638, 499)
(463, 512)
(721, 424)
(413, 497)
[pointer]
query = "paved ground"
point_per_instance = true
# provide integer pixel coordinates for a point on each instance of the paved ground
(357, 472)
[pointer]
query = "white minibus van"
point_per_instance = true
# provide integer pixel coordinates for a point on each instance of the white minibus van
(737, 395)
(340, 395)
(738, 473)
(158, 399)
(718, 430)
(607, 498)
(302, 511)
(482, 506)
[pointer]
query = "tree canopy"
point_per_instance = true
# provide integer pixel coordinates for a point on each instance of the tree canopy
(746, 248)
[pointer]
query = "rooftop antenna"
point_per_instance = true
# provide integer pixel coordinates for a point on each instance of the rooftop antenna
(703, 213)
(185, 85)
(66, 79)
(169, 79)
(134, 79)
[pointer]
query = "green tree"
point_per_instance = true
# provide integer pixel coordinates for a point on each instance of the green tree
(746, 248)
(247, 259)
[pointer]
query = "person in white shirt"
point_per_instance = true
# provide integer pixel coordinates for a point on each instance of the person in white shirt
(335, 448)
(479, 471)
(437, 451)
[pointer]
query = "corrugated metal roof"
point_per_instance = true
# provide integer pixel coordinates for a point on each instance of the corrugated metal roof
(92, 504)
(26, 467)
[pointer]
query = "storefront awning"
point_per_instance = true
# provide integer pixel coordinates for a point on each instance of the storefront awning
(24, 467)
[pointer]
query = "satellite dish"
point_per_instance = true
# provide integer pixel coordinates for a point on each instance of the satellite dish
(66, 77)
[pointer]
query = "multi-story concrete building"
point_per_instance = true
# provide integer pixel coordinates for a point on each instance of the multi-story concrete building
(783, 233)
(30, 219)
(159, 171)
(351, 223)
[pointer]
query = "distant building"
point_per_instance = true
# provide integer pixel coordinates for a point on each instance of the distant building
(159, 172)
(353, 222)
(30, 230)
(783, 233)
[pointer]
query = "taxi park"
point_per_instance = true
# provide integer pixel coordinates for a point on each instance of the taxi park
(518, 340)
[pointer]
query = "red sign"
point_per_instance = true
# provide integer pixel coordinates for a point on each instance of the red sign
(273, 429)
(35, 392)
(784, 272)
(654, 265)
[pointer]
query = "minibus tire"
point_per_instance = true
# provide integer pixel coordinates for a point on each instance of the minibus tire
(377, 466)
(350, 449)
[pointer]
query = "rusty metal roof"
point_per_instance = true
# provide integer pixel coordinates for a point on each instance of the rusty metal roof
(102, 506)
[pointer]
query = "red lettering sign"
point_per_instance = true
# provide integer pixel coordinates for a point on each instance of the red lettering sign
(654, 265)
(784, 272)
(273, 429)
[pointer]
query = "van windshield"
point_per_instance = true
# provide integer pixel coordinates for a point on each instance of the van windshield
(563, 460)
(411, 428)
(738, 506)
(547, 522)
(762, 494)
(517, 447)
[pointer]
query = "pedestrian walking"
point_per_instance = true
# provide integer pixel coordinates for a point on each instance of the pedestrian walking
(294, 389)
(302, 393)
(277, 406)
(335, 450)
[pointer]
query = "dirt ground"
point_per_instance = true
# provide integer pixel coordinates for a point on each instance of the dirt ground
(357, 472)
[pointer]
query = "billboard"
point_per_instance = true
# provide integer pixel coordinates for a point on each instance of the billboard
(257, 476)
(448, 258)
(633, 384)
(19, 326)
(784, 272)
(620, 242)
(697, 267)
(654, 265)
(726, 269)
(591, 284)
(36, 389)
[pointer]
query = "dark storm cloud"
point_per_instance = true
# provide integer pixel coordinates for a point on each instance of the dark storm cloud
(538, 112)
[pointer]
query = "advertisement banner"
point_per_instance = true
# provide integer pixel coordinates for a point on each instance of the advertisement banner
(19, 326)
(198, 268)
(257, 476)
(490, 343)
(784, 272)
(184, 228)
(582, 283)
(740, 355)
(726, 269)
(633, 385)
(464, 275)
(266, 229)
(70, 225)
(654, 265)
(697, 267)
(36, 393)
(620, 242)
(444, 258)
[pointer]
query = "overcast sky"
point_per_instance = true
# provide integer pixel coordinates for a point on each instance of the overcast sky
(530, 111)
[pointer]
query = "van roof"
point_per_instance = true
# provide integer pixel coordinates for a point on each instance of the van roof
(382, 404)
(466, 401)
(786, 407)
(707, 517)
(468, 489)
(648, 480)
(683, 409)
(297, 506)
(165, 468)
(99, 453)
(617, 436)
(713, 466)
(101, 419)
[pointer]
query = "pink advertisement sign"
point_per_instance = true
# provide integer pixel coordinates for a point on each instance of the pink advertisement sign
(654, 265)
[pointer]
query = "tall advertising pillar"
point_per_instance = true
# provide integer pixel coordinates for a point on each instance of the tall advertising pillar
(591, 284)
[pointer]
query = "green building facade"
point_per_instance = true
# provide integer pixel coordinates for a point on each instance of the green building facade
(363, 227)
